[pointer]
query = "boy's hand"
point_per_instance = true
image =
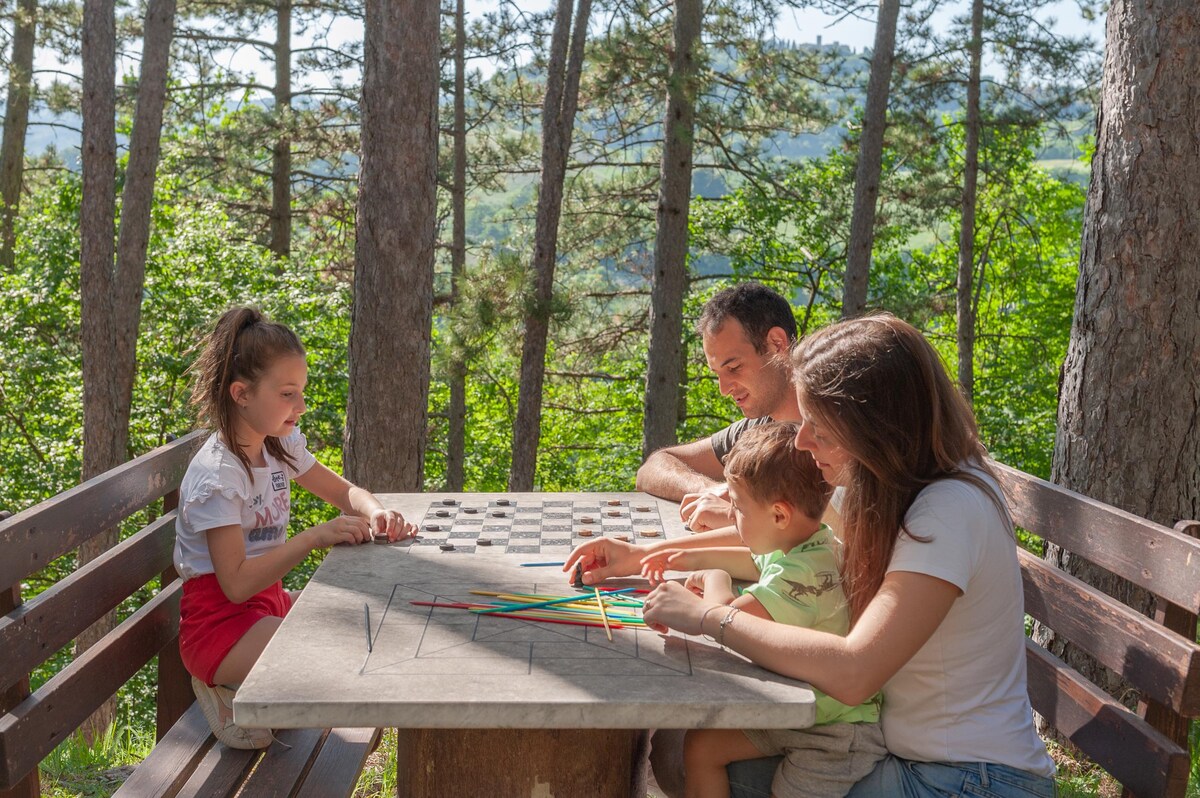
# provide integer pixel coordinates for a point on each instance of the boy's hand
(712, 583)
(343, 529)
(654, 566)
(602, 558)
(708, 509)
(391, 523)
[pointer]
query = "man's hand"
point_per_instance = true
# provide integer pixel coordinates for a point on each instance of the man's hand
(708, 509)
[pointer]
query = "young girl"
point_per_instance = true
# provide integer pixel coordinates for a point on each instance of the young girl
(930, 571)
(232, 546)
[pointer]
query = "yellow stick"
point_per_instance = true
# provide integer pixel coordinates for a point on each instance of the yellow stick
(603, 614)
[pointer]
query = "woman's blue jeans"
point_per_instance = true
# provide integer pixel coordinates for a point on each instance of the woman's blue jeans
(901, 778)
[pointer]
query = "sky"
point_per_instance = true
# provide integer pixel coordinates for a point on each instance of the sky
(801, 26)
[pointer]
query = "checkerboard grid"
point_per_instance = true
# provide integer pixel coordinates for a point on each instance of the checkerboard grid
(550, 527)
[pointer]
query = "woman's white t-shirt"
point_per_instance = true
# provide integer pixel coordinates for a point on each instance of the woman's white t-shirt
(216, 491)
(963, 696)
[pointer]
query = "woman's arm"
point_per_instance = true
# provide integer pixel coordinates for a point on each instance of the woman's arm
(901, 617)
(603, 558)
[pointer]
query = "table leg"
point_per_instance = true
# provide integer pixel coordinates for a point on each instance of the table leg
(521, 763)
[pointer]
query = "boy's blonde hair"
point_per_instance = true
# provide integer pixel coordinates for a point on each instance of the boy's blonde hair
(766, 461)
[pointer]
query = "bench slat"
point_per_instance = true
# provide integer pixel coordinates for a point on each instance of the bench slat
(1160, 663)
(341, 760)
(1119, 741)
(33, 728)
(172, 760)
(219, 773)
(41, 626)
(32, 538)
(1150, 555)
(283, 767)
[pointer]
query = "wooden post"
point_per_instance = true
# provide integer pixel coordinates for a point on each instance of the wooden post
(601, 763)
(174, 682)
(28, 787)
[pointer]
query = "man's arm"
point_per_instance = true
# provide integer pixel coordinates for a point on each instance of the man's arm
(676, 471)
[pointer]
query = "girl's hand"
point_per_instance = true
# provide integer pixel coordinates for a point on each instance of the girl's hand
(673, 606)
(655, 566)
(343, 529)
(604, 557)
(391, 523)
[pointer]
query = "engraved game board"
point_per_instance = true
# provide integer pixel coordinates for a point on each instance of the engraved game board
(532, 526)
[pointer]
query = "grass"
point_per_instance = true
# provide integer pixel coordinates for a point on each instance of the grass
(76, 768)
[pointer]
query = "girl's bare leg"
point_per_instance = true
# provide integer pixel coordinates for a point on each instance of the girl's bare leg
(241, 658)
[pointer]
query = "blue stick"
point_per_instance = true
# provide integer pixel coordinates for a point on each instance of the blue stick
(541, 564)
(563, 600)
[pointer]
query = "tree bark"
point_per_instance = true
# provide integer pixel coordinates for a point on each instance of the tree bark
(16, 122)
(1130, 399)
(660, 409)
(456, 437)
(111, 295)
(970, 192)
(105, 420)
(870, 162)
(394, 248)
(558, 120)
(281, 152)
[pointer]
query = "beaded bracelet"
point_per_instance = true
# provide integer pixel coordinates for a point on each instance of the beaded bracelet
(725, 622)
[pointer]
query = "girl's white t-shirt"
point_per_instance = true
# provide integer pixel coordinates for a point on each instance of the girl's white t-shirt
(963, 696)
(216, 491)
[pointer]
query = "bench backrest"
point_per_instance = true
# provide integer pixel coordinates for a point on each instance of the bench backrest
(31, 725)
(1146, 751)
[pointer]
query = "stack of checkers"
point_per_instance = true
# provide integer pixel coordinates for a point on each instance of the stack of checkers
(534, 527)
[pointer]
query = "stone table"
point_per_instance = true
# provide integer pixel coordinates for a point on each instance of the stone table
(497, 706)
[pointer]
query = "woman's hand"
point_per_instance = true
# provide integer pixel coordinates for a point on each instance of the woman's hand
(604, 557)
(673, 606)
(391, 523)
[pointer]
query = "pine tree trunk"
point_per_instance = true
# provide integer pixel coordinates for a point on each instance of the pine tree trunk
(281, 152)
(387, 407)
(870, 161)
(1130, 398)
(970, 192)
(111, 296)
(660, 408)
(558, 120)
(16, 121)
(456, 438)
(105, 421)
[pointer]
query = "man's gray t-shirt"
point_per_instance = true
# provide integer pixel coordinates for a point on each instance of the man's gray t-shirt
(723, 440)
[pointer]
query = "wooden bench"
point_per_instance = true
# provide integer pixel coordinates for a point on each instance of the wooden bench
(1146, 751)
(186, 760)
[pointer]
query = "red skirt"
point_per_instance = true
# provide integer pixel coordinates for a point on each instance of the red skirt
(210, 624)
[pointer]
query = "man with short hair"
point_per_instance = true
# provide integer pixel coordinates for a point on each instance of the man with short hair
(747, 332)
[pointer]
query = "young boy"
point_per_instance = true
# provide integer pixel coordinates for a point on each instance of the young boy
(777, 496)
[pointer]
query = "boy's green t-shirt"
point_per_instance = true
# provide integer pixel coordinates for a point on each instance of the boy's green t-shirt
(803, 588)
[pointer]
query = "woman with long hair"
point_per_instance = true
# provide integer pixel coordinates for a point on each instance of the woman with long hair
(929, 571)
